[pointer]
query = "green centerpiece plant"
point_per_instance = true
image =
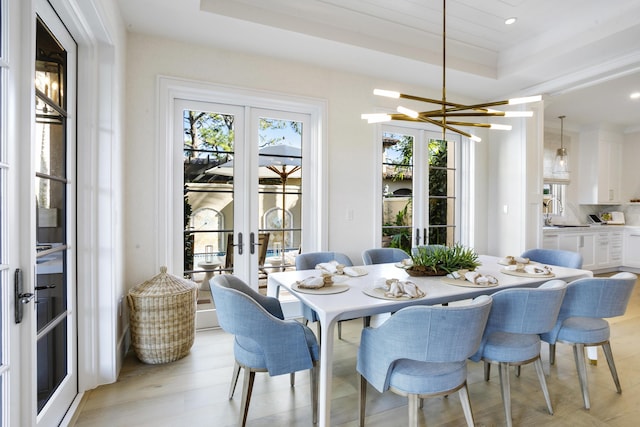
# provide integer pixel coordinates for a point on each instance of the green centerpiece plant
(439, 260)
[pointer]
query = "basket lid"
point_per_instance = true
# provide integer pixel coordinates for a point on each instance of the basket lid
(163, 284)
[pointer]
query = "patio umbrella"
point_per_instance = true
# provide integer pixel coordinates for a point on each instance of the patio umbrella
(274, 161)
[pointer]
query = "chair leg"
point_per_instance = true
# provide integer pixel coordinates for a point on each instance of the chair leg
(247, 388)
(518, 371)
(366, 321)
(581, 366)
(552, 354)
(505, 388)
(466, 405)
(314, 391)
(292, 379)
(363, 399)
(606, 348)
(234, 380)
(487, 370)
(339, 330)
(543, 383)
(413, 410)
(319, 333)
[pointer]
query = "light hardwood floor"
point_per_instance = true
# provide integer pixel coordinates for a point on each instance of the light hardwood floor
(193, 391)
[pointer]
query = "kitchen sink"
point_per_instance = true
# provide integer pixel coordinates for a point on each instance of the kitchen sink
(567, 226)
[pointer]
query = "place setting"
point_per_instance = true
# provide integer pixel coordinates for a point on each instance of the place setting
(394, 289)
(470, 279)
(524, 267)
(332, 276)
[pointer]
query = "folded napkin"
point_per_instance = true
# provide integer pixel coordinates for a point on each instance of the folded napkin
(355, 271)
(394, 288)
(479, 279)
(511, 260)
(333, 267)
(537, 269)
(311, 282)
(407, 262)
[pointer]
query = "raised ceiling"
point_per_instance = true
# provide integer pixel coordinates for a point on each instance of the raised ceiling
(583, 55)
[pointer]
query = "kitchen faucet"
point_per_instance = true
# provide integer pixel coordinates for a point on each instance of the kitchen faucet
(546, 205)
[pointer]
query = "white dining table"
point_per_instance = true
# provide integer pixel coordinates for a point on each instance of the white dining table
(354, 303)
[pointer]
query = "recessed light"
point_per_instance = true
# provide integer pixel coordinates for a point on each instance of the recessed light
(635, 95)
(510, 21)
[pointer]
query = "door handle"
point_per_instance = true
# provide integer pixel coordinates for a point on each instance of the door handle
(424, 236)
(21, 297)
(240, 244)
(417, 237)
(252, 243)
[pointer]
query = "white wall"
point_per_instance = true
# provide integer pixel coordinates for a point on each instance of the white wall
(351, 141)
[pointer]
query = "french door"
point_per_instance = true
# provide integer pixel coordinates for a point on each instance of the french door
(51, 315)
(243, 194)
(420, 187)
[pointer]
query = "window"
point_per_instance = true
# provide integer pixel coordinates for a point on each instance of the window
(553, 199)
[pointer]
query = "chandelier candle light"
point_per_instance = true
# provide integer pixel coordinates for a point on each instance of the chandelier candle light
(447, 110)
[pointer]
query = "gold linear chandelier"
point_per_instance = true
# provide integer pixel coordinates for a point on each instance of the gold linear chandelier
(448, 113)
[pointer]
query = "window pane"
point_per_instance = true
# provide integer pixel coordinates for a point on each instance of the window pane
(52, 360)
(442, 175)
(208, 153)
(397, 184)
(280, 184)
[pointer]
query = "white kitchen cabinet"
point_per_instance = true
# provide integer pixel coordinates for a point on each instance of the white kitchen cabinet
(584, 243)
(632, 248)
(600, 167)
(550, 241)
(616, 246)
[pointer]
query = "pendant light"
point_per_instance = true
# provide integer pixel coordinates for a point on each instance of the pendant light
(446, 114)
(561, 163)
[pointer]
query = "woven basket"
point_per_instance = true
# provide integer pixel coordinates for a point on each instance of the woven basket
(162, 314)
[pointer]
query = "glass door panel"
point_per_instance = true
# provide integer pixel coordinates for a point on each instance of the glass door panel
(441, 192)
(397, 184)
(54, 289)
(208, 157)
(280, 193)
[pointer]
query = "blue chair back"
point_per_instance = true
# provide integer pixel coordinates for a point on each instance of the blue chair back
(262, 340)
(272, 305)
(595, 297)
(383, 255)
(309, 260)
(558, 257)
(524, 311)
(422, 333)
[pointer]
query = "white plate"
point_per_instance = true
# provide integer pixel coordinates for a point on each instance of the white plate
(524, 273)
(380, 293)
(465, 283)
(325, 290)
(355, 271)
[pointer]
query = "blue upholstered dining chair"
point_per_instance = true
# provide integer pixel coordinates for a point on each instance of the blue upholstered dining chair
(421, 351)
(558, 257)
(264, 342)
(308, 261)
(511, 336)
(383, 255)
(581, 320)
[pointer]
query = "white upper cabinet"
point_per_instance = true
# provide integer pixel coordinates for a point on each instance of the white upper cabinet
(600, 167)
